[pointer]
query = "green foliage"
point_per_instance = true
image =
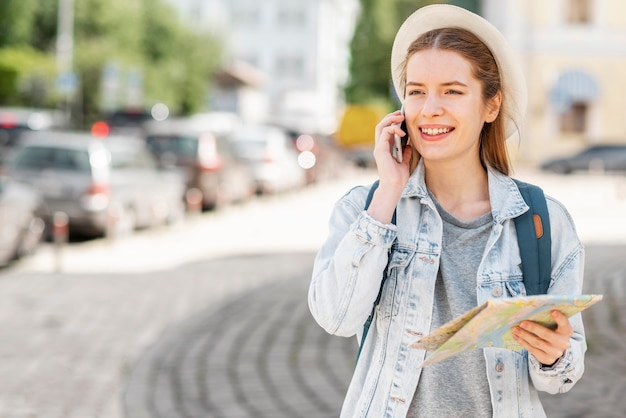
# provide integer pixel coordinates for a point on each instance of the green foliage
(44, 30)
(142, 37)
(370, 50)
(185, 58)
(25, 76)
(16, 21)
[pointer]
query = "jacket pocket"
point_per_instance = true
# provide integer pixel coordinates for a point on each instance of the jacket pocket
(395, 284)
(515, 288)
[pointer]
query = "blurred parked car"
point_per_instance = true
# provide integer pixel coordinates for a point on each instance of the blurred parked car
(21, 220)
(106, 185)
(270, 153)
(126, 121)
(607, 157)
(207, 160)
(16, 120)
(318, 155)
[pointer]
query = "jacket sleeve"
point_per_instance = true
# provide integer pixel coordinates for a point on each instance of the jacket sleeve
(348, 269)
(568, 259)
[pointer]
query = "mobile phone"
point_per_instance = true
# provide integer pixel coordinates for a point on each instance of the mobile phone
(400, 141)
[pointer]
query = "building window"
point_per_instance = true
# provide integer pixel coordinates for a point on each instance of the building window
(247, 18)
(579, 12)
(291, 18)
(574, 120)
(289, 66)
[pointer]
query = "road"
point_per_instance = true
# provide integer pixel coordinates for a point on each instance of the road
(209, 318)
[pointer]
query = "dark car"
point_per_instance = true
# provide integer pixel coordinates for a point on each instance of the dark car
(21, 220)
(103, 185)
(16, 120)
(606, 157)
(207, 160)
(126, 121)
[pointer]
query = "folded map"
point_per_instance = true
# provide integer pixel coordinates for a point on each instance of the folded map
(489, 325)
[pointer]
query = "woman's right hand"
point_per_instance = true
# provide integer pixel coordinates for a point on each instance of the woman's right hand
(393, 176)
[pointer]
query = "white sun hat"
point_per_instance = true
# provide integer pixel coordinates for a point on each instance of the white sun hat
(427, 18)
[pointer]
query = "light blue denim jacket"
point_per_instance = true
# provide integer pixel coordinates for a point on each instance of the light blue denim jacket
(347, 276)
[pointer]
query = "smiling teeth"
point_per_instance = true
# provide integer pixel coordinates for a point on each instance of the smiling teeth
(435, 131)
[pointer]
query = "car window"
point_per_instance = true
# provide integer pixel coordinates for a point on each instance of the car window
(46, 158)
(182, 146)
(224, 146)
(131, 158)
(250, 149)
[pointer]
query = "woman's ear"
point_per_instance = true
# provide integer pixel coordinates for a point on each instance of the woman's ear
(493, 107)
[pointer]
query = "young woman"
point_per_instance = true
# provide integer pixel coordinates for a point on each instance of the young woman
(454, 245)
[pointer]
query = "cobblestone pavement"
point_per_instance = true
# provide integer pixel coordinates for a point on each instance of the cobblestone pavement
(262, 355)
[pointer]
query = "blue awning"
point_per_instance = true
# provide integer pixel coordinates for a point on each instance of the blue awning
(573, 86)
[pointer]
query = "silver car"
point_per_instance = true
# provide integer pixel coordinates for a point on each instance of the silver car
(103, 185)
(272, 157)
(21, 223)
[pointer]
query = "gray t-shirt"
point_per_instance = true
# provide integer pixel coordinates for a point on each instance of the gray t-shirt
(458, 386)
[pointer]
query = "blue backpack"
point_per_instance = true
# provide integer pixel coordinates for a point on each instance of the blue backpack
(533, 238)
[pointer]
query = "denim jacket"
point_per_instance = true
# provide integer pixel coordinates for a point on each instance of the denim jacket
(347, 276)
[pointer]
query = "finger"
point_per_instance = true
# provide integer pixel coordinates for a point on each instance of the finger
(388, 133)
(543, 338)
(544, 352)
(391, 118)
(563, 325)
(527, 333)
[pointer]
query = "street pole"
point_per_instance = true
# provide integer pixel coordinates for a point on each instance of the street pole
(65, 45)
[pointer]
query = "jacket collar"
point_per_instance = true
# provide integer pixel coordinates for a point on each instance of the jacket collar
(505, 198)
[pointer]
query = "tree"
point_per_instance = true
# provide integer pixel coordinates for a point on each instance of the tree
(370, 50)
(16, 21)
(143, 39)
(25, 72)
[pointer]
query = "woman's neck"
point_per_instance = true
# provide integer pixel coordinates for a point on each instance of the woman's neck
(461, 191)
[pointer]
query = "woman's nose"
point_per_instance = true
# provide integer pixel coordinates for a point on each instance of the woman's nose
(432, 105)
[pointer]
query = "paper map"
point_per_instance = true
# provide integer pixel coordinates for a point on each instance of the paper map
(489, 325)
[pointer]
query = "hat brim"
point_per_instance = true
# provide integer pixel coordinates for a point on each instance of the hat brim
(427, 18)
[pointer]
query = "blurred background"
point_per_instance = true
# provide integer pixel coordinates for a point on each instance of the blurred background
(167, 168)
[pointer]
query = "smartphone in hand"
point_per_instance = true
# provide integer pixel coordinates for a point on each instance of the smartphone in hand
(400, 141)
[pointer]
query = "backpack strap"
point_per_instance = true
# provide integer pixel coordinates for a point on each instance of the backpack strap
(370, 318)
(533, 239)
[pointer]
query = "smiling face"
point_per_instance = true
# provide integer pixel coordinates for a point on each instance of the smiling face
(444, 106)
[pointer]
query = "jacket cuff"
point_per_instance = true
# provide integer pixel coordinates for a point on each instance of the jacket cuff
(370, 230)
(562, 366)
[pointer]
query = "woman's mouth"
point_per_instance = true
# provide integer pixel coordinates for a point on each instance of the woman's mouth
(435, 131)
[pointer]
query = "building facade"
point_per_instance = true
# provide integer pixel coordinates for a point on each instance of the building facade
(300, 47)
(574, 53)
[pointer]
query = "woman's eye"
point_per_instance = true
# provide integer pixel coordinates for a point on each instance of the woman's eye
(415, 92)
(454, 92)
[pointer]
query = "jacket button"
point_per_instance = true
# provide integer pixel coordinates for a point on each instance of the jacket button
(496, 292)
(499, 367)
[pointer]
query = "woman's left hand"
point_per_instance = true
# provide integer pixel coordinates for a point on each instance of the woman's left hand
(547, 345)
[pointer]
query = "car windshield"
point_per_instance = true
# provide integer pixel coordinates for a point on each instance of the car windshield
(130, 158)
(46, 158)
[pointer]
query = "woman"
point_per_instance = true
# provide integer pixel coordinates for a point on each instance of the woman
(454, 245)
